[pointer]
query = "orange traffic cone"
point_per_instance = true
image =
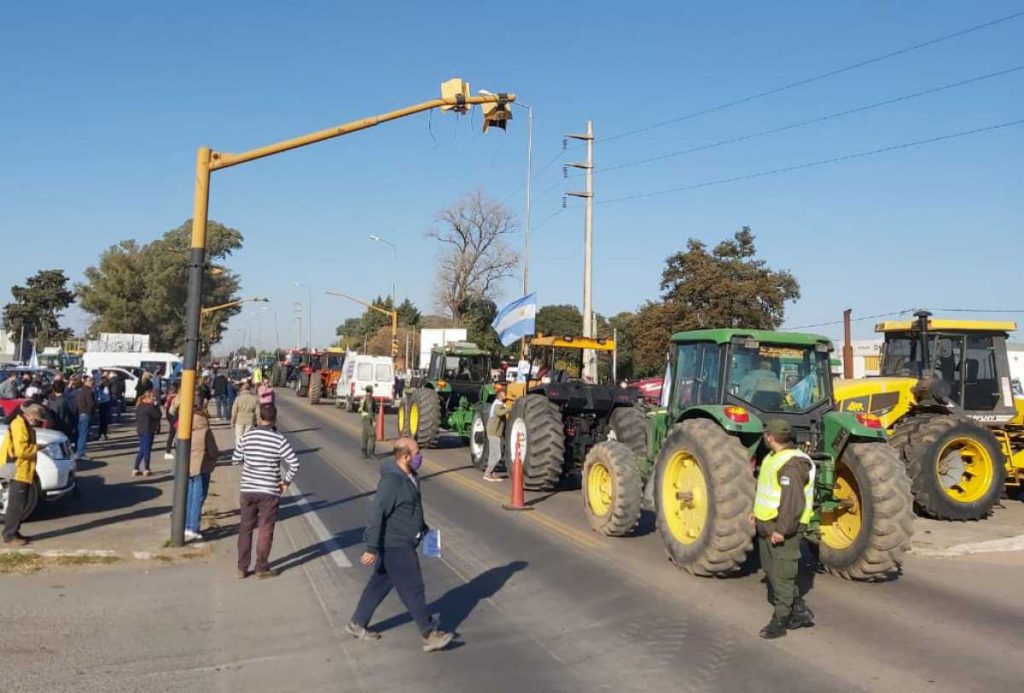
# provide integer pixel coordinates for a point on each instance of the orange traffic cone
(380, 421)
(518, 501)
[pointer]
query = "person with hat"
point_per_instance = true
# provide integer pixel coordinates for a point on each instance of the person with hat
(369, 419)
(783, 507)
(20, 448)
(495, 432)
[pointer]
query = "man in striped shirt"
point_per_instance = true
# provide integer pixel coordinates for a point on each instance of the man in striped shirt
(262, 452)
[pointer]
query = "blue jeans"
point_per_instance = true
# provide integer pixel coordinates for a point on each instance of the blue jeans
(145, 448)
(198, 487)
(222, 406)
(83, 435)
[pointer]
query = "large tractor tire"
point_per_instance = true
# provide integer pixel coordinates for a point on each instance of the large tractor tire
(316, 388)
(403, 418)
(539, 421)
(705, 493)
(613, 491)
(629, 427)
(425, 417)
(866, 536)
(956, 467)
(479, 443)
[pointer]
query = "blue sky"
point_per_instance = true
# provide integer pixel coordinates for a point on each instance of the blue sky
(107, 101)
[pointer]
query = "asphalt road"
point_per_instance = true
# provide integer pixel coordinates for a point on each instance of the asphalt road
(541, 603)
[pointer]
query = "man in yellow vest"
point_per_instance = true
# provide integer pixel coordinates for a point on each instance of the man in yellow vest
(19, 449)
(782, 509)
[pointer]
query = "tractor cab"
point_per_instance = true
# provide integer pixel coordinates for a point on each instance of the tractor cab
(556, 363)
(968, 356)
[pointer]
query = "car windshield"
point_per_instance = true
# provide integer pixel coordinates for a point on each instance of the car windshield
(780, 378)
(475, 369)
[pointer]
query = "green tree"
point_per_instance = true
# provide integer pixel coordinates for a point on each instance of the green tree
(143, 289)
(37, 307)
(727, 287)
(560, 320)
(477, 316)
(408, 314)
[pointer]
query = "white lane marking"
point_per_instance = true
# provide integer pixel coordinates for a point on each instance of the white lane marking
(318, 527)
(991, 546)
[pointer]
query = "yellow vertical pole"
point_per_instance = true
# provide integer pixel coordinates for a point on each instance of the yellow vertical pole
(193, 316)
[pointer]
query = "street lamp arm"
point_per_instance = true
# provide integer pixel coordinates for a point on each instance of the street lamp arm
(220, 160)
(393, 314)
(254, 299)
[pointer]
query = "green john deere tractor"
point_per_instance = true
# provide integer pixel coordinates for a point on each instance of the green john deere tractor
(459, 376)
(704, 447)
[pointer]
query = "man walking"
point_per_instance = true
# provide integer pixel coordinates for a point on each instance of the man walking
(495, 433)
(782, 508)
(262, 452)
(244, 411)
(117, 388)
(369, 417)
(392, 534)
(220, 393)
(85, 403)
(19, 446)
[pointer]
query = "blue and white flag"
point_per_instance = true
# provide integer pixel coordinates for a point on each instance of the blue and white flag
(516, 320)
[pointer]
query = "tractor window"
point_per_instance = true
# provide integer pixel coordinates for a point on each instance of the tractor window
(334, 362)
(687, 365)
(707, 383)
(474, 369)
(981, 386)
(780, 378)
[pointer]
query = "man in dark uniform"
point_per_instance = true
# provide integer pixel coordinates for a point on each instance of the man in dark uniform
(782, 508)
(369, 419)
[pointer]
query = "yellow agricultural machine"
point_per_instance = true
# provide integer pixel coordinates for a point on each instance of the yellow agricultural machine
(945, 396)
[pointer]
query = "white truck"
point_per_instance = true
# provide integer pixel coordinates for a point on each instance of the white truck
(361, 370)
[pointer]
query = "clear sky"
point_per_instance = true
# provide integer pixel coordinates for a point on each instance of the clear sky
(105, 103)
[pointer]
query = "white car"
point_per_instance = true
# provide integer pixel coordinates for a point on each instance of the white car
(55, 470)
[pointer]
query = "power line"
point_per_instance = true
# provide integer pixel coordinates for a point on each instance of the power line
(812, 164)
(860, 319)
(812, 121)
(537, 174)
(815, 78)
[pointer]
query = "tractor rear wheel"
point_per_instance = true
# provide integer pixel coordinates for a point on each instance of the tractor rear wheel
(403, 418)
(705, 493)
(316, 388)
(629, 426)
(866, 536)
(956, 467)
(479, 443)
(425, 417)
(539, 421)
(613, 491)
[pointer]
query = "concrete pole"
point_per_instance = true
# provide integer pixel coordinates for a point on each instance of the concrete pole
(847, 345)
(589, 362)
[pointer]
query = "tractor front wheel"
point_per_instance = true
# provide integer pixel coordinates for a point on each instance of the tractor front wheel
(956, 467)
(535, 424)
(316, 388)
(479, 443)
(628, 425)
(403, 418)
(425, 417)
(613, 491)
(865, 537)
(705, 495)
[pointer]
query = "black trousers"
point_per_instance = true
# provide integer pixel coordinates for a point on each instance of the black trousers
(397, 568)
(17, 499)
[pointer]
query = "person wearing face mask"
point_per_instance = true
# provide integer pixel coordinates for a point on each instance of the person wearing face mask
(394, 530)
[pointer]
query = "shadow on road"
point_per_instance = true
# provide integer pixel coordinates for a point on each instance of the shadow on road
(349, 537)
(455, 605)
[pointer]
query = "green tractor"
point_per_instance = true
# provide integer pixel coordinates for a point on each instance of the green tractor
(459, 376)
(704, 447)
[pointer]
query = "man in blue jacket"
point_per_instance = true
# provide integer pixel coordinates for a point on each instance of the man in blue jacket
(392, 534)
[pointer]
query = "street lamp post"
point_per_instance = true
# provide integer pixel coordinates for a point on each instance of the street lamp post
(455, 96)
(309, 314)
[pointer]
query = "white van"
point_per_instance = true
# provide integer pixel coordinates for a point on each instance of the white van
(158, 363)
(361, 370)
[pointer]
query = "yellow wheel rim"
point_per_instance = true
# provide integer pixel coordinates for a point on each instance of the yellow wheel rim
(841, 527)
(965, 470)
(684, 497)
(401, 420)
(600, 489)
(414, 418)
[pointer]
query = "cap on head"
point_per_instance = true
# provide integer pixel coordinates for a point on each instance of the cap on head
(369, 388)
(778, 427)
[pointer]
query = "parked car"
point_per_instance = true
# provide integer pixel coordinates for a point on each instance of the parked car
(55, 470)
(361, 370)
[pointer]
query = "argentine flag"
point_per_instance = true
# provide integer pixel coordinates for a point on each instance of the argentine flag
(516, 320)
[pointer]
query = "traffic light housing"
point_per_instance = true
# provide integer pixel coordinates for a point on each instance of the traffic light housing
(457, 89)
(497, 114)
(394, 348)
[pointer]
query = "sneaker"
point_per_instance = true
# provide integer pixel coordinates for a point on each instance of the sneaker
(241, 574)
(192, 536)
(168, 456)
(360, 633)
(491, 477)
(776, 628)
(16, 540)
(269, 573)
(146, 472)
(439, 639)
(136, 472)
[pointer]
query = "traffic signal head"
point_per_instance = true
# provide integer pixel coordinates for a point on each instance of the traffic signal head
(496, 114)
(457, 89)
